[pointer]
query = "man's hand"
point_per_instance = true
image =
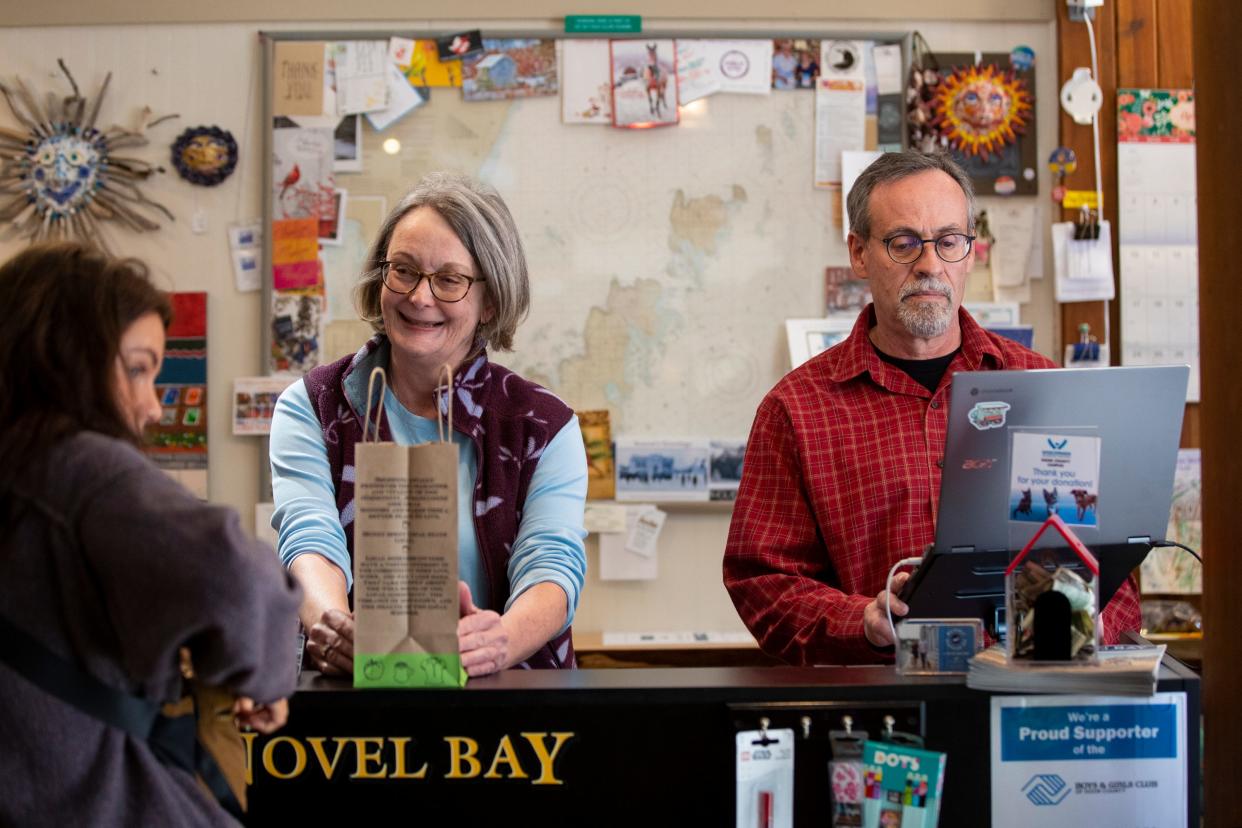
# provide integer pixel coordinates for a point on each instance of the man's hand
(875, 618)
(265, 718)
(481, 637)
(330, 643)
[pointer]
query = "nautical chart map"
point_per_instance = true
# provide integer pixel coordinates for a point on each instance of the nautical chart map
(663, 261)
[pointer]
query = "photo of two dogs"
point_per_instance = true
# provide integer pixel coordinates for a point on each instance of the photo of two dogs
(1084, 502)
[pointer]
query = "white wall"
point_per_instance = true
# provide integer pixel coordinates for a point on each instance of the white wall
(210, 74)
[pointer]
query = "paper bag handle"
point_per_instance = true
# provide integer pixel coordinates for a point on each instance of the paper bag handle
(379, 408)
(446, 372)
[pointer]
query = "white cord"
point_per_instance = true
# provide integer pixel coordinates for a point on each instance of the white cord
(888, 587)
(1095, 145)
(1094, 119)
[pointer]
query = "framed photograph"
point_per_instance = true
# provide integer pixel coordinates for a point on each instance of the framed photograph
(844, 292)
(795, 64)
(347, 144)
(652, 470)
(245, 235)
(509, 69)
(726, 468)
(254, 400)
(994, 314)
(644, 83)
(332, 227)
(811, 337)
(297, 331)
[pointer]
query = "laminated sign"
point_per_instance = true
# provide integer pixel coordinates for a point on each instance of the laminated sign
(405, 559)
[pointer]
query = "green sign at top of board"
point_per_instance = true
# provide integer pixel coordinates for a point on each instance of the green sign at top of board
(603, 23)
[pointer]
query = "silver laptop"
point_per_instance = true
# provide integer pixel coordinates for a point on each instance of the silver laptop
(1137, 414)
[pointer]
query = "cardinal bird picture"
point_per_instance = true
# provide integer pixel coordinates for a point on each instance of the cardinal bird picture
(290, 180)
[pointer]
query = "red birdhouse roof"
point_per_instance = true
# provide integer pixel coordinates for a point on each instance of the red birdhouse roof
(1074, 543)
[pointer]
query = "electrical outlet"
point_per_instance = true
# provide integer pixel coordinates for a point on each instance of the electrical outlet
(1080, 10)
(198, 222)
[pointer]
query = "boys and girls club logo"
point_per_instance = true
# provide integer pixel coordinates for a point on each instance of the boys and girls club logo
(1046, 789)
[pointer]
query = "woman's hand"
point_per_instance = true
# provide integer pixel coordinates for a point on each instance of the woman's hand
(325, 615)
(265, 718)
(330, 643)
(481, 637)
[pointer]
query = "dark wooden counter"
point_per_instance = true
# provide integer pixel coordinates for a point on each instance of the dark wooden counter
(636, 747)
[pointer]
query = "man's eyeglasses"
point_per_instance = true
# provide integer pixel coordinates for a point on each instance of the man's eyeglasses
(446, 285)
(905, 248)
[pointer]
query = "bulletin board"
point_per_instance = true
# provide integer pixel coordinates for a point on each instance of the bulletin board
(664, 262)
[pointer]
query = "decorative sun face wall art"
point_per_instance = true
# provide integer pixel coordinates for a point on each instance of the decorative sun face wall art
(61, 178)
(984, 114)
(205, 155)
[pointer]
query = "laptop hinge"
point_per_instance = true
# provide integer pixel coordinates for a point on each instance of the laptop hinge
(961, 549)
(1139, 539)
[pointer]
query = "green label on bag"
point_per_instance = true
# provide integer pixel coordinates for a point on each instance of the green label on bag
(409, 670)
(603, 23)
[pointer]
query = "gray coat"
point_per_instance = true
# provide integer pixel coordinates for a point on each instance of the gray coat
(115, 569)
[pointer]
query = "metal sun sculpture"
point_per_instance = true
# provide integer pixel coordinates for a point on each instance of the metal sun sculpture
(205, 155)
(60, 178)
(982, 109)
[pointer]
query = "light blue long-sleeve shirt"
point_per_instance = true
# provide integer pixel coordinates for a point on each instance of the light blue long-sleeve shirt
(549, 543)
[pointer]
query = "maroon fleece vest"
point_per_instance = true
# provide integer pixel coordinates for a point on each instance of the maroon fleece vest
(510, 421)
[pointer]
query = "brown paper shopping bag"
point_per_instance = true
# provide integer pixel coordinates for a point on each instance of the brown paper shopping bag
(405, 559)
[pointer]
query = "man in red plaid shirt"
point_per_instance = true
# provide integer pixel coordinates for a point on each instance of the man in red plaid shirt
(842, 471)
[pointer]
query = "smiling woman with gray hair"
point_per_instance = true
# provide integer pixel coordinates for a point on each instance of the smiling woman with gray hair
(444, 281)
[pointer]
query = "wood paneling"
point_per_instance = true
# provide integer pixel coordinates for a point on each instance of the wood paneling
(1136, 45)
(1140, 43)
(1155, 45)
(1173, 21)
(1217, 22)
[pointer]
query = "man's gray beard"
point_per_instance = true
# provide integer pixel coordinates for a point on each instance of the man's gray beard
(926, 320)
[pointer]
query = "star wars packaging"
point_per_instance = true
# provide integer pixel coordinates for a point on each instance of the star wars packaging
(765, 778)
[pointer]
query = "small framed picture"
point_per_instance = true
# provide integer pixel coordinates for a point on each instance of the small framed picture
(660, 470)
(810, 337)
(245, 235)
(332, 228)
(994, 314)
(254, 401)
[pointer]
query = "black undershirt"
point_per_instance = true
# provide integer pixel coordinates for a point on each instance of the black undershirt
(926, 372)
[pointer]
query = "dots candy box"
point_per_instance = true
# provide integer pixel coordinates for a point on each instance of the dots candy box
(902, 786)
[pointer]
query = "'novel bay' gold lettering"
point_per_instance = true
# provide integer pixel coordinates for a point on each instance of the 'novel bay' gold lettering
(462, 749)
(398, 744)
(329, 768)
(506, 755)
(365, 757)
(546, 757)
(299, 754)
(248, 738)
(370, 761)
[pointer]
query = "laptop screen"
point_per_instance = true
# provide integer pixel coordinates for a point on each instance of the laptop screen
(1096, 445)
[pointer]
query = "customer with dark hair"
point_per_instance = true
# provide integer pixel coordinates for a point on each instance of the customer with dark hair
(108, 568)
